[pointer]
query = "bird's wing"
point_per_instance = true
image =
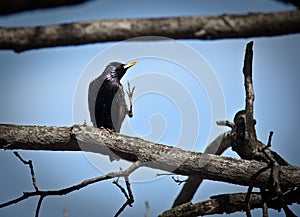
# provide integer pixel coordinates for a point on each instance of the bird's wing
(94, 88)
(119, 109)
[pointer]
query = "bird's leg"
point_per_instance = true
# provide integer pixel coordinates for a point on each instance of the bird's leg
(130, 94)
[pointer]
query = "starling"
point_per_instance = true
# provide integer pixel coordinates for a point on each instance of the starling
(106, 100)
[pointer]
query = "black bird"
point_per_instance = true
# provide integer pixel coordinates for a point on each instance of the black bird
(106, 100)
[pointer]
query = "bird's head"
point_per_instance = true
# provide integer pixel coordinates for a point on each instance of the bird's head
(117, 70)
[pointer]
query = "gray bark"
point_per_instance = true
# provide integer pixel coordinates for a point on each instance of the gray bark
(168, 158)
(227, 203)
(192, 27)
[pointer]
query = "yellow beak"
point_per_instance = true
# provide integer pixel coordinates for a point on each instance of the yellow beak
(130, 64)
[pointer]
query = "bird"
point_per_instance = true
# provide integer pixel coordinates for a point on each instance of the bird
(107, 105)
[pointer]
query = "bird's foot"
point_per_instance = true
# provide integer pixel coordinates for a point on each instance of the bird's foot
(130, 94)
(111, 131)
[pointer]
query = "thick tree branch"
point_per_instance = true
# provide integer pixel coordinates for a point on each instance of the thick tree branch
(13, 6)
(193, 27)
(218, 146)
(228, 203)
(158, 156)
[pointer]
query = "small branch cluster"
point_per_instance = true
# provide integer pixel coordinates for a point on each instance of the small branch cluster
(85, 183)
(128, 195)
(245, 143)
(29, 163)
(243, 140)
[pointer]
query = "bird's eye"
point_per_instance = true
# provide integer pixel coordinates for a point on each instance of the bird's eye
(119, 67)
(110, 68)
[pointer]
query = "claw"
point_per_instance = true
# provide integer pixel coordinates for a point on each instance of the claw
(130, 94)
(111, 131)
(129, 91)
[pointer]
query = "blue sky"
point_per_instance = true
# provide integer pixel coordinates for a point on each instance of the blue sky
(46, 87)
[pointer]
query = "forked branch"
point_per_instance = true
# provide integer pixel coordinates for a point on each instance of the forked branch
(43, 194)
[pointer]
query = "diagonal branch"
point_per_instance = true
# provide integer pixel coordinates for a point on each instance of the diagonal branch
(153, 155)
(229, 203)
(128, 196)
(191, 27)
(29, 163)
(218, 146)
(39, 204)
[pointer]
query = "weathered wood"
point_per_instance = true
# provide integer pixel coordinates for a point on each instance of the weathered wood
(193, 182)
(190, 27)
(227, 203)
(168, 158)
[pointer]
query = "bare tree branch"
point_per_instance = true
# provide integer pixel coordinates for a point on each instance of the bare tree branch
(29, 163)
(243, 140)
(129, 195)
(228, 203)
(218, 146)
(158, 156)
(192, 27)
(38, 207)
(14, 6)
(247, 70)
(64, 191)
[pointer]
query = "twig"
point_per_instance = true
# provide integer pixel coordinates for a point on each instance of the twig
(116, 182)
(38, 207)
(164, 174)
(264, 198)
(122, 208)
(178, 181)
(247, 201)
(250, 188)
(129, 195)
(29, 163)
(225, 123)
(81, 185)
(270, 139)
(147, 214)
(130, 198)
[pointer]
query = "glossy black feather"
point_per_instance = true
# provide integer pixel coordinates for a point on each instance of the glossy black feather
(107, 104)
